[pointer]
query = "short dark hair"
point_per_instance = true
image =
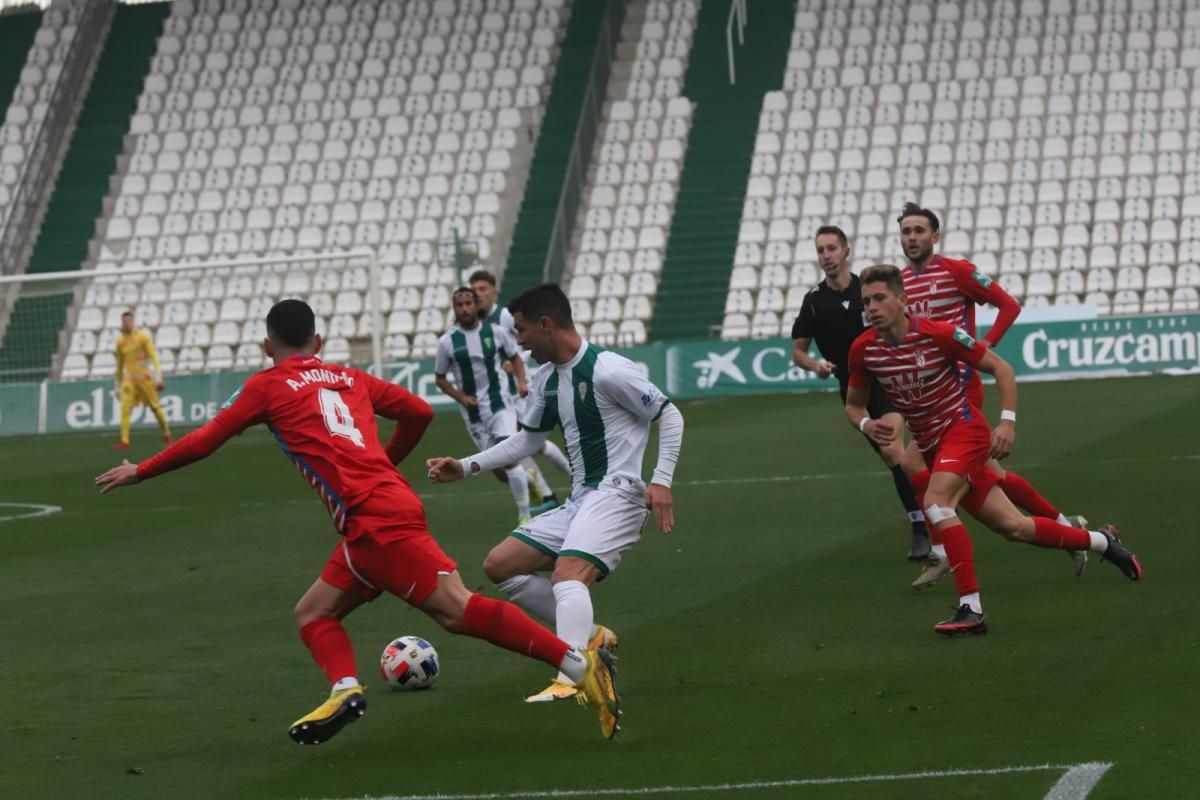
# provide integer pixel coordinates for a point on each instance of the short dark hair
(482, 275)
(543, 300)
(125, 314)
(291, 323)
(464, 290)
(884, 273)
(825, 230)
(913, 210)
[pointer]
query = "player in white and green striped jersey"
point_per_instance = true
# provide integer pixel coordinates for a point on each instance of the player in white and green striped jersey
(484, 284)
(474, 350)
(604, 406)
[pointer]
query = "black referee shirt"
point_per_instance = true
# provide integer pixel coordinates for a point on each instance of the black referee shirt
(834, 320)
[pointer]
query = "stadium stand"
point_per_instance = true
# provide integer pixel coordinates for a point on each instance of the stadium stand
(269, 129)
(1059, 141)
(621, 233)
(51, 33)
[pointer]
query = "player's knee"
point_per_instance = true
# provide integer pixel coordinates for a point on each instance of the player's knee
(306, 611)
(497, 568)
(449, 619)
(1011, 528)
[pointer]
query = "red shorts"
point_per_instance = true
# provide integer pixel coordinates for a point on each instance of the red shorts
(965, 450)
(382, 554)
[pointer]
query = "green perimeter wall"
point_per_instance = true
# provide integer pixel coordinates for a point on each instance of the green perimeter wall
(684, 369)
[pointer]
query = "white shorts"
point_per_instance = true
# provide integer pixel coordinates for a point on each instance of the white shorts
(597, 525)
(493, 429)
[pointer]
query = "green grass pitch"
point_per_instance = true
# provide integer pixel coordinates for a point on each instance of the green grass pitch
(148, 649)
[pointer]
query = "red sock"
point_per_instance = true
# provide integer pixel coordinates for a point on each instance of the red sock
(1048, 533)
(961, 557)
(507, 626)
(1021, 492)
(330, 646)
(920, 482)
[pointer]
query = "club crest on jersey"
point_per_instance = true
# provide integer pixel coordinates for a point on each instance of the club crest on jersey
(846, 304)
(920, 359)
(981, 279)
(232, 398)
(583, 387)
(964, 338)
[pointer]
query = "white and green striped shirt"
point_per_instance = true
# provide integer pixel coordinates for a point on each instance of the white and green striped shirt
(475, 356)
(604, 405)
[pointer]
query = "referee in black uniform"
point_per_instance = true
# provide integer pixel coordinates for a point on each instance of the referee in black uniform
(832, 314)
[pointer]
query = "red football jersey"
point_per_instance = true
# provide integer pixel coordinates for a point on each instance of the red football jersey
(920, 375)
(948, 289)
(323, 416)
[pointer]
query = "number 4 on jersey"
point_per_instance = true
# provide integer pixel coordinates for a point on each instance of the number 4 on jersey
(337, 417)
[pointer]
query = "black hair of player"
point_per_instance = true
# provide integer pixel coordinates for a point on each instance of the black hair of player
(825, 230)
(884, 273)
(543, 300)
(125, 314)
(914, 210)
(482, 275)
(464, 290)
(291, 323)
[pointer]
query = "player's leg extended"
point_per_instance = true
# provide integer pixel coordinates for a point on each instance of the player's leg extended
(518, 484)
(999, 513)
(150, 398)
(945, 491)
(319, 615)
(453, 606)
(893, 455)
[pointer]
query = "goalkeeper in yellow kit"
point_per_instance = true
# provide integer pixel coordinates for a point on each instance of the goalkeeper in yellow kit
(136, 384)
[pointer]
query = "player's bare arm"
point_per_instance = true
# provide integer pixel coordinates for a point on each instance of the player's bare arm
(452, 391)
(876, 430)
(1005, 432)
(801, 358)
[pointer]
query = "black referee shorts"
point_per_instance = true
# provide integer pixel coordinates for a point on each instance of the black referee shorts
(878, 404)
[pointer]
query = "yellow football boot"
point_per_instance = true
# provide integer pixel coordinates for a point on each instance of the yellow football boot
(599, 691)
(557, 690)
(327, 719)
(603, 638)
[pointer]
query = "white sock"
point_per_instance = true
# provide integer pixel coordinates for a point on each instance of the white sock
(345, 683)
(556, 458)
(539, 480)
(1099, 542)
(518, 482)
(533, 594)
(573, 616)
(973, 601)
(572, 668)
(939, 550)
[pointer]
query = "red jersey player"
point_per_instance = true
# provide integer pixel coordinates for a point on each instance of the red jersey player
(323, 417)
(916, 361)
(947, 290)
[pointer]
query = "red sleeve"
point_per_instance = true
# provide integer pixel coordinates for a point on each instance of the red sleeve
(411, 413)
(860, 377)
(248, 408)
(955, 342)
(981, 289)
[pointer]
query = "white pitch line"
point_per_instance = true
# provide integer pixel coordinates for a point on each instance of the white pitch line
(39, 510)
(1082, 778)
(1078, 782)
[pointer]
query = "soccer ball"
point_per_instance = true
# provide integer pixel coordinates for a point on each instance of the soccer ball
(409, 662)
